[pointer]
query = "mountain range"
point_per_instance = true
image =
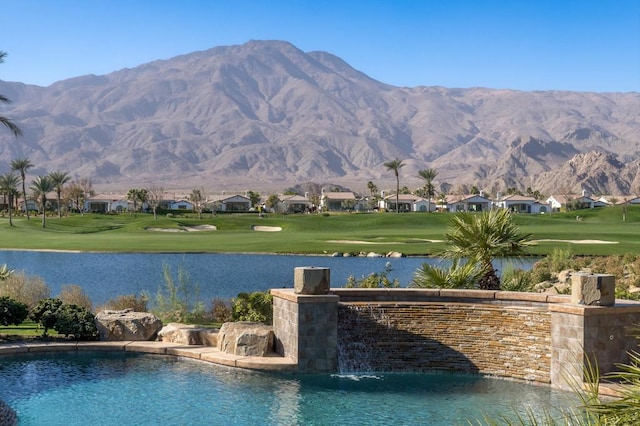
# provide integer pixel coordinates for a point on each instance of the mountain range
(267, 116)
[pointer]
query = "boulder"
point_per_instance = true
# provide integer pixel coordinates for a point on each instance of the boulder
(127, 325)
(8, 416)
(187, 334)
(395, 254)
(246, 338)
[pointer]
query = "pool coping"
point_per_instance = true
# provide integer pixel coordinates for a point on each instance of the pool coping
(210, 354)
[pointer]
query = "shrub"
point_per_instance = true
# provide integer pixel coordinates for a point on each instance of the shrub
(221, 311)
(76, 321)
(75, 295)
(5, 272)
(179, 301)
(12, 312)
(517, 280)
(45, 314)
(256, 306)
(26, 289)
(459, 275)
(128, 301)
(374, 280)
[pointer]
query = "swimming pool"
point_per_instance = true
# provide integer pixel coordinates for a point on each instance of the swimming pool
(107, 388)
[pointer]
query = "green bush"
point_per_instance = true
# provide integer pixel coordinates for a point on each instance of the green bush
(66, 319)
(256, 306)
(75, 321)
(459, 275)
(179, 301)
(517, 280)
(45, 314)
(12, 312)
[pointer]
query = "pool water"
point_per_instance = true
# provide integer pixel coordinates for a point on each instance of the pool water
(102, 388)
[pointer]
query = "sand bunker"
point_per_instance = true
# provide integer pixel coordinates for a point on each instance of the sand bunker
(580, 241)
(165, 230)
(201, 228)
(374, 242)
(266, 228)
(185, 229)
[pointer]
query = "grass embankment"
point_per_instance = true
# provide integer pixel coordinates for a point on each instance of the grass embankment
(409, 233)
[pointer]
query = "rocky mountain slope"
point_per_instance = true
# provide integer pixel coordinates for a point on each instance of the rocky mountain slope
(266, 116)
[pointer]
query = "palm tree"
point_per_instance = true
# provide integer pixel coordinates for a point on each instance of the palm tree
(428, 175)
(58, 179)
(8, 183)
(396, 165)
(4, 120)
(480, 238)
(22, 165)
(41, 186)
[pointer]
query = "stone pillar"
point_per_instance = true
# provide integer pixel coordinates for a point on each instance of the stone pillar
(593, 289)
(596, 335)
(306, 325)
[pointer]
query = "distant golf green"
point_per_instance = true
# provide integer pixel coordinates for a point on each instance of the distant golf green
(599, 231)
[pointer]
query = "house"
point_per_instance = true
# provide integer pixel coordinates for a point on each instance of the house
(523, 204)
(182, 204)
(337, 201)
(619, 199)
(295, 203)
(465, 203)
(573, 202)
(104, 203)
(233, 203)
(406, 203)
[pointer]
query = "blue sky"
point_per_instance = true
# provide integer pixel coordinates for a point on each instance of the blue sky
(580, 45)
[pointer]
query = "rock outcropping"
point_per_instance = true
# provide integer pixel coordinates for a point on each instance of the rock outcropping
(187, 334)
(127, 325)
(246, 338)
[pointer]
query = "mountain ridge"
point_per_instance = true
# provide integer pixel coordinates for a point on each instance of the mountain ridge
(265, 115)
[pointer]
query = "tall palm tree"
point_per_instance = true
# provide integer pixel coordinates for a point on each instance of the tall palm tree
(4, 120)
(396, 165)
(428, 175)
(41, 186)
(8, 184)
(480, 238)
(58, 179)
(22, 165)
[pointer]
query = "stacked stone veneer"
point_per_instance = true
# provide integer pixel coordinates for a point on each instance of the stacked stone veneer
(506, 341)
(306, 330)
(534, 337)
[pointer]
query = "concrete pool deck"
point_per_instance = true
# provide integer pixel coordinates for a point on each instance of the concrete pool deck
(202, 353)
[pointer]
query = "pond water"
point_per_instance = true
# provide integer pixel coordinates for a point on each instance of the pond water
(99, 388)
(104, 276)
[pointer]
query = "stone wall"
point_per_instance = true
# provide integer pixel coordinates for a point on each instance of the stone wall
(505, 341)
(528, 336)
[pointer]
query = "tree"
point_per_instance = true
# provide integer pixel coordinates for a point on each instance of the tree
(137, 196)
(4, 120)
(8, 184)
(58, 179)
(395, 166)
(272, 202)
(154, 198)
(255, 198)
(74, 193)
(22, 165)
(40, 186)
(197, 198)
(428, 175)
(479, 238)
(373, 189)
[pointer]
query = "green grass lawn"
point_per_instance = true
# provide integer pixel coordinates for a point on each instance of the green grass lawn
(409, 233)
